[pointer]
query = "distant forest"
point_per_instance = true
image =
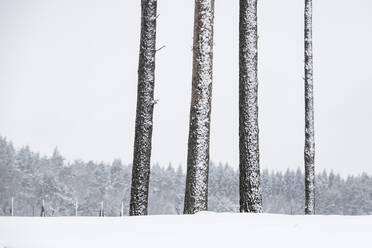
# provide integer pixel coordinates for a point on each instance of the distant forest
(30, 178)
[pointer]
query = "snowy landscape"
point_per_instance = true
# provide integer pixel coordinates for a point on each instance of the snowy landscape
(31, 178)
(205, 229)
(102, 144)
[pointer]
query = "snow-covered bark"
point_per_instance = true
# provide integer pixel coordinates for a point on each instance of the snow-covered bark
(309, 114)
(196, 196)
(144, 114)
(249, 183)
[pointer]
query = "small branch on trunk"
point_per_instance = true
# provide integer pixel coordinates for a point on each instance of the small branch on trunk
(157, 50)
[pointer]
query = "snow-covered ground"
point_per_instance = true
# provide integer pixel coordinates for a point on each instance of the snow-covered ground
(201, 230)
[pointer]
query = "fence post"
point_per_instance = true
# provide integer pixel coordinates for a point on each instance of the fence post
(42, 214)
(101, 210)
(12, 208)
(76, 207)
(122, 209)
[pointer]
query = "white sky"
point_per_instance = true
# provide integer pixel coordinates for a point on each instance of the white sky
(68, 78)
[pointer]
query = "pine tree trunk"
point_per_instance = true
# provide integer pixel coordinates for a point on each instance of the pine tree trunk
(196, 196)
(249, 183)
(144, 114)
(309, 114)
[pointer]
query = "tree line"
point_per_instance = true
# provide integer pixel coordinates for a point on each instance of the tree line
(196, 188)
(30, 179)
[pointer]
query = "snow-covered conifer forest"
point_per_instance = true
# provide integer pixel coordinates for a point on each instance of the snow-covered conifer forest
(45, 200)
(29, 178)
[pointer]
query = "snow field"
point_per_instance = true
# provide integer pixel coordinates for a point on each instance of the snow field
(204, 229)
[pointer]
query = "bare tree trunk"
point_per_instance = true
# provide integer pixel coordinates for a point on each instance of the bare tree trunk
(42, 213)
(309, 114)
(249, 181)
(145, 106)
(196, 195)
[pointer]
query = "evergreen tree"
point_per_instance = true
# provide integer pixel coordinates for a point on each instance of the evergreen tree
(144, 114)
(91, 183)
(196, 194)
(179, 186)
(26, 163)
(8, 174)
(249, 163)
(119, 189)
(56, 197)
(309, 114)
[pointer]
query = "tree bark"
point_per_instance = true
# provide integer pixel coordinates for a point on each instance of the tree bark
(249, 166)
(196, 195)
(309, 150)
(144, 113)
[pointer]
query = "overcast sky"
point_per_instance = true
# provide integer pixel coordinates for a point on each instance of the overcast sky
(68, 78)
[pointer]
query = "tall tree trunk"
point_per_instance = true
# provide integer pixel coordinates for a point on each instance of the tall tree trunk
(309, 114)
(249, 181)
(196, 196)
(144, 114)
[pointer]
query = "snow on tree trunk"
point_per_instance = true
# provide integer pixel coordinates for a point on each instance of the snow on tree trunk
(249, 181)
(309, 114)
(144, 114)
(196, 195)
